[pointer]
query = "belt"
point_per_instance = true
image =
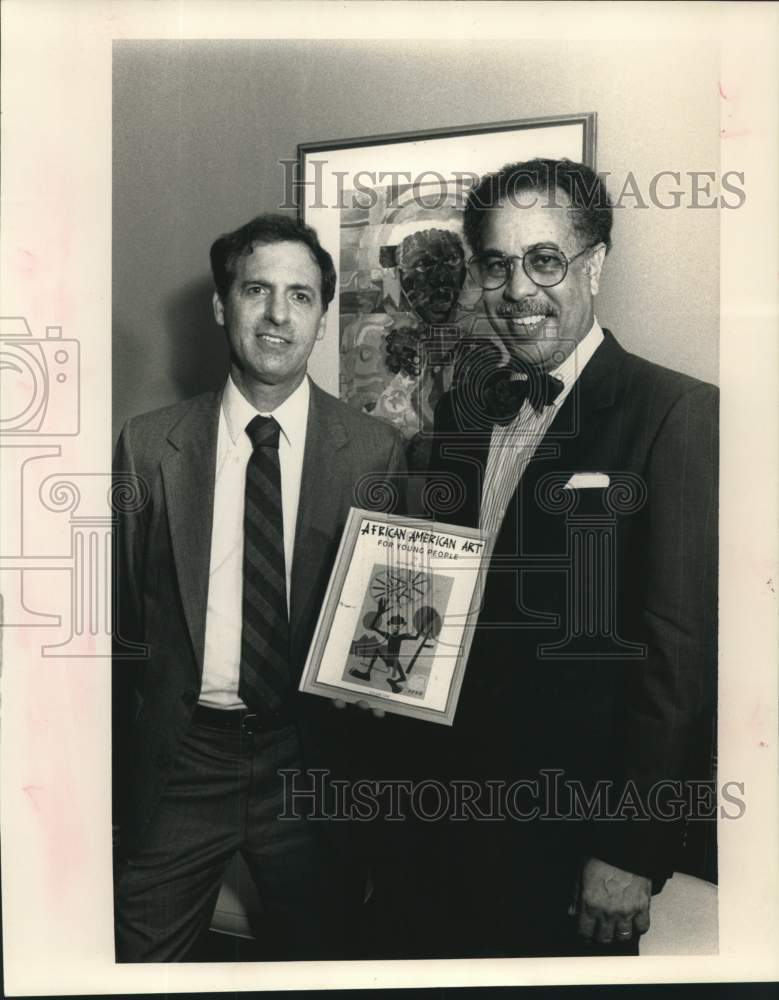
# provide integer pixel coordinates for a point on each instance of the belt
(236, 720)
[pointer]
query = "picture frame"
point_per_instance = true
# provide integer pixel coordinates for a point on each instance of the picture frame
(389, 209)
(398, 617)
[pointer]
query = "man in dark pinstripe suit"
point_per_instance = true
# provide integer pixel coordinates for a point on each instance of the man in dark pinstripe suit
(590, 683)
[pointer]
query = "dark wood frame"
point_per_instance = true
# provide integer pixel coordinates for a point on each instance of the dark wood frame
(588, 119)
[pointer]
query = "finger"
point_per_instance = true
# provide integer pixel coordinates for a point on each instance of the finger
(641, 921)
(365, 706)
(623, 930)
(585, 925)
(605, 931)
(576, 895)
(337, 703)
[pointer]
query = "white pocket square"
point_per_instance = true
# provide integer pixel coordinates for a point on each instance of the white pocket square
(587, 481)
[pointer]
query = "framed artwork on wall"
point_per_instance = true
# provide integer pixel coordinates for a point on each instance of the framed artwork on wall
(389, 209)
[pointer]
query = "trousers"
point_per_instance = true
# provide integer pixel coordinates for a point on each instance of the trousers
(225, 795)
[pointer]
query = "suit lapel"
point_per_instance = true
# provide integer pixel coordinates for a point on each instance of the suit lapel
(188, 474)
(459, 452)
(575, 437)
(322, 489)
(575, 428)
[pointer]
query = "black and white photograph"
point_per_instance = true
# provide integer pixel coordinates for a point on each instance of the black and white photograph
(389, 550)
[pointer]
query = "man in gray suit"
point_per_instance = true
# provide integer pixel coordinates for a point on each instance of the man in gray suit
(221, 575)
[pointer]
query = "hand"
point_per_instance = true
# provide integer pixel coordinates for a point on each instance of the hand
(378, 713)
(612, 904)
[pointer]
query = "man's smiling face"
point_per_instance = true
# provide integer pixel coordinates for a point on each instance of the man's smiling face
(540, 325)
(273, 316)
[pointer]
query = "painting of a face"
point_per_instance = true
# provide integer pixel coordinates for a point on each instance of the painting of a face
(431, 265)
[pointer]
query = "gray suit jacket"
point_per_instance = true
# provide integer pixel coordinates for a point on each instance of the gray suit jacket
(163, 553)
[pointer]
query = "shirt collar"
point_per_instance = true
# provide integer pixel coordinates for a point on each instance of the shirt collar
(572, 367)
(291, 415)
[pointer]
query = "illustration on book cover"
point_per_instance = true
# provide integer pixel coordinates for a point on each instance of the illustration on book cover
(401, 617)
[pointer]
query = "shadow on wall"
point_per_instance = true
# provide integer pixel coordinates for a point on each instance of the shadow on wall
(198, 359)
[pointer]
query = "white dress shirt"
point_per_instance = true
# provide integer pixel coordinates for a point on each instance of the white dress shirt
(222, 660)
(513, 445)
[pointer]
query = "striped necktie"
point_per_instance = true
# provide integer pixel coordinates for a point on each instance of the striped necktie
(264, 683)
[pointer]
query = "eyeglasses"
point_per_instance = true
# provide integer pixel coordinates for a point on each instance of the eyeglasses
(544, 266)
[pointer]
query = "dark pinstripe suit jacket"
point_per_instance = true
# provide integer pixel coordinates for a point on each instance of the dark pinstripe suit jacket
(617, 715)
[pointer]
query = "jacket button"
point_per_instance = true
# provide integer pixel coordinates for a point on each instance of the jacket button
(189, 698)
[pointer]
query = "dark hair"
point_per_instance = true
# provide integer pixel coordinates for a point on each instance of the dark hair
(591, 211)
(265, 229)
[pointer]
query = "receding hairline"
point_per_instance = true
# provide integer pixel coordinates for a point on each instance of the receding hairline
(246, 252)
(259, 241)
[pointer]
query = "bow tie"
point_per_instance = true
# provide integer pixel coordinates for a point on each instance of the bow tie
(504, 394)
(487, 392)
